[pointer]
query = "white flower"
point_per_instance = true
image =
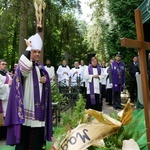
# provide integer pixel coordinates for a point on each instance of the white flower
(130, 145)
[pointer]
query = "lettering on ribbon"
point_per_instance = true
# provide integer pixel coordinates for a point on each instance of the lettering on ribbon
(74, 139)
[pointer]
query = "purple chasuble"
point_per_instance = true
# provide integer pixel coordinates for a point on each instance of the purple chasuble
(15, 116)
(92, 94)
(118, 75)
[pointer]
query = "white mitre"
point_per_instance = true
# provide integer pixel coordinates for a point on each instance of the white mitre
(36, 42)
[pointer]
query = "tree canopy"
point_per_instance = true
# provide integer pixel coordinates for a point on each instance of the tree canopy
(64, 33)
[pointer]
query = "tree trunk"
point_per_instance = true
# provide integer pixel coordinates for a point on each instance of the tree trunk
(23, 26)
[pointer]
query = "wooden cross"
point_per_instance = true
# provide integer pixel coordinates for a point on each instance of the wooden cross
(142, 46)
(40, 6)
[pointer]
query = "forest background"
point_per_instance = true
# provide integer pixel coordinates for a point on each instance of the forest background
(66, 36)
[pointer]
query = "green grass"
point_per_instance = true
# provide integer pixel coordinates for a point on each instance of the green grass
(6, 147)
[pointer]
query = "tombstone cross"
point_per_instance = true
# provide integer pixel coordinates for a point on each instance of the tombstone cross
(67, 56)
(142, 46)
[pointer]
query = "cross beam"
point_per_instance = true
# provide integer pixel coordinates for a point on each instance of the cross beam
(134, 44)
(142, 46)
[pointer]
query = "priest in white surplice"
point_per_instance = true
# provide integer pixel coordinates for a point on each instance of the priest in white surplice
(63, 73)
(103, 82)
(50, 69)
(83, 85)
(93, 78)
(5, 83)
(76, 74)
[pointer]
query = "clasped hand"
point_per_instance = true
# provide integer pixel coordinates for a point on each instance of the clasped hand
(43, 79)
(65, 73)
(95, 76)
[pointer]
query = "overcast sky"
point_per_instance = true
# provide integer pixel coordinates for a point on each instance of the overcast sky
(85, 10)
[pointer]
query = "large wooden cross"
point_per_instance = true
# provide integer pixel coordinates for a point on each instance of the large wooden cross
(142, 46)
(40, 6)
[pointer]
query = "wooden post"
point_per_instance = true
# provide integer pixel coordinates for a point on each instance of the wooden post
(41, 33)
(142, 46)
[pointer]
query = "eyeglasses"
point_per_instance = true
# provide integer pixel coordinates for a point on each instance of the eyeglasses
(4, 64)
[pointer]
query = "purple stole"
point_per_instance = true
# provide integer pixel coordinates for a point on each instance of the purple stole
(15, 116)
(1, 107)
(38, 105)
(92, 94)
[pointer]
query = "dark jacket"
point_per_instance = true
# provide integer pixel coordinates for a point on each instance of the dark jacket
(148, 67)
(132, 71)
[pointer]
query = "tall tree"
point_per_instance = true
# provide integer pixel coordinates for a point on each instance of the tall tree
(114, 19)
(9, 16)
(23, 25)
(61, 29)
(124, 24)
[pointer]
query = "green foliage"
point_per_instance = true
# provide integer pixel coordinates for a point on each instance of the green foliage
(76, 116)
(125, 133)
(6, 147)
(114, 21)
(56, 95)
(71, 118)
(9, 22)
(61, 30)
(113, 142)
(63, 33)
(124, 26)
(48, 145)
(125, 23)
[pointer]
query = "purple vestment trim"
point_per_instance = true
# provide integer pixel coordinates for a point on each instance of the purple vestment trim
(1, 108)
(15, 116)
(92, 94)
(38, 104)
(7, 79)
(15, 110)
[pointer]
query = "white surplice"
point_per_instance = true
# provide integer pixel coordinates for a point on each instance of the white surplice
(28, 92)
(103, 76)
(83, 70)
(51, 72)
(61, 76)
(75, 77)
(96, 81)
(4, 91)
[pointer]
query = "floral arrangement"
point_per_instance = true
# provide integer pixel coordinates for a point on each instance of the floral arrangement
(127, 136)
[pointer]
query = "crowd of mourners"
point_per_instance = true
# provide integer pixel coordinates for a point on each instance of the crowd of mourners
(25, 94)
(98, 81)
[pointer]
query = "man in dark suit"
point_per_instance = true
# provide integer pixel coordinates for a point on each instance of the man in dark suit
(133, 71)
